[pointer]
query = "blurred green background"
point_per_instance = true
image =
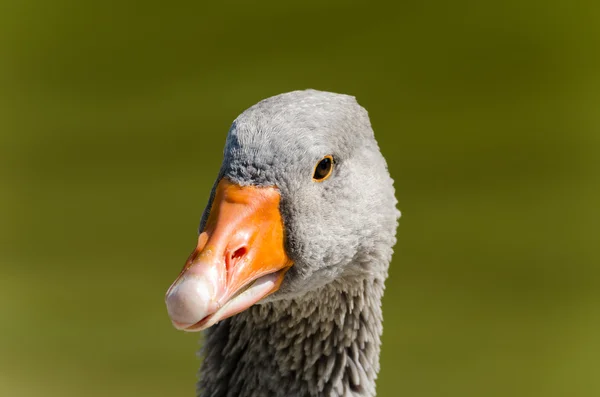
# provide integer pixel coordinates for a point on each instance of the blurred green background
(113, 115)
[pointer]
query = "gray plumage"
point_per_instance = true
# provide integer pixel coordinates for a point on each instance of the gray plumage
(319, 334)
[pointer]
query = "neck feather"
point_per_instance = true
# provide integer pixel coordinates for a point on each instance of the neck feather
(325, 343)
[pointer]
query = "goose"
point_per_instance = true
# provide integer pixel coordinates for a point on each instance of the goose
(293, 250)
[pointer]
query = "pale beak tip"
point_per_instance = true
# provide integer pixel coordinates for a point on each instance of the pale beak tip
(189, 301)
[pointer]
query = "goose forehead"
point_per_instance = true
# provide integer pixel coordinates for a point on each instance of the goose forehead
(309, 123)
(287, 142)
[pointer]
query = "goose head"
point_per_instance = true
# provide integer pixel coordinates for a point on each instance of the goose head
(303, 198)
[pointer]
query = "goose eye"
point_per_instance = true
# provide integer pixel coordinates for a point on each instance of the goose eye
(323, 169)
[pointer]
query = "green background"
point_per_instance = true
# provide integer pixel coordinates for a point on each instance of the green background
(113, 116)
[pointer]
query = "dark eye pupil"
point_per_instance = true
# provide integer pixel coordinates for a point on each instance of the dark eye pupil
(323, 168)
(324, 164)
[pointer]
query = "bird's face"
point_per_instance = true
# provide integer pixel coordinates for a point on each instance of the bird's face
(298, 200)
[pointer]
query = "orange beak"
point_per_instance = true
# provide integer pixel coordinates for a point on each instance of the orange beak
(239, 260)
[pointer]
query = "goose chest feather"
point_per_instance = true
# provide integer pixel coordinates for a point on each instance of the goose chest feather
(288, 274)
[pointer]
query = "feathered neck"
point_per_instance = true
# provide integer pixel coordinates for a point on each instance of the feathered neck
(325, 343)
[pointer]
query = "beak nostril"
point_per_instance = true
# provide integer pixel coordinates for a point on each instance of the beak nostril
(239, 253)
(233, 257)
